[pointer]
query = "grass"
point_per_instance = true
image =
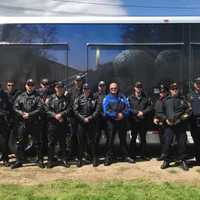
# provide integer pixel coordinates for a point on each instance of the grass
(136, 190)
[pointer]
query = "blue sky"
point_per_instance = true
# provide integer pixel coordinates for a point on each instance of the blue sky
(162, 8)
(100, 8)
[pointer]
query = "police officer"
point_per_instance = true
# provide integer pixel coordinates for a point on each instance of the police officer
(175, 111)
(116, 110)
(44, 92)
(86, 110)
(74, 93)
(158, 116)
(58, 109)
(141, 107)
(194, 101)
(28, 107)
(101, 121)
(12, 93)
(4, 112)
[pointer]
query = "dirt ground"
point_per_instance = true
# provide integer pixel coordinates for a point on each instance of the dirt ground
(146, 170)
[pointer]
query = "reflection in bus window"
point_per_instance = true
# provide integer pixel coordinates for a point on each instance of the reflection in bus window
(151, 64)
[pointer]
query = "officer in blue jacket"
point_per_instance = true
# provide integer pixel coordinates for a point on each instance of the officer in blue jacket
(116, 110)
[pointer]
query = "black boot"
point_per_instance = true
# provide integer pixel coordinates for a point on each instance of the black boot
(6, 163)
(95, 162)
(165, 164)
(50, 164)
(79, 164)
(66, 163)
(184, 165)
(40, 164)
(17, 164)
(107, 161)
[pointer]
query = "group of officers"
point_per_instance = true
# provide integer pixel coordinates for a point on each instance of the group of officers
(50, 116)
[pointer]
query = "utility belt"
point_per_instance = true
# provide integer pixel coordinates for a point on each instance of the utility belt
(181, 118)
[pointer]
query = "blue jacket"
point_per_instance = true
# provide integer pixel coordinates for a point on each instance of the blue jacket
(112, 105)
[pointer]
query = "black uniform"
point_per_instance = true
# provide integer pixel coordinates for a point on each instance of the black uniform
(194, 100)
(74, 93)
(44, 94)
(139, 125)
(12, 96)
(57, 130)
(161, 122)
(30, 103)
(86, 107)
(176, 110)
(101, 120)
(4, 132)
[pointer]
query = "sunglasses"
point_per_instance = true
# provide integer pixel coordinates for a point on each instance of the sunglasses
(30, 84)
(10, 85)
(174, 88)
(45, 84)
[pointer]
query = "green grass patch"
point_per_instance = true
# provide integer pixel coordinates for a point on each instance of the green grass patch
(136, 190)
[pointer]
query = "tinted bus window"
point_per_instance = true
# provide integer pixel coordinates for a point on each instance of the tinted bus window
(151, 64)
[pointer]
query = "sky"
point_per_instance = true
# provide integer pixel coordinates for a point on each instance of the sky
(162, 8)
(100, 8)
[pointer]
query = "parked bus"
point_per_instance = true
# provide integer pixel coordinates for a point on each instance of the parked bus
(149, 49)
(153, 50)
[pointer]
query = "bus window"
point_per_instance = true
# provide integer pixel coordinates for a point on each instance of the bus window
(126, 64)
(22, 61)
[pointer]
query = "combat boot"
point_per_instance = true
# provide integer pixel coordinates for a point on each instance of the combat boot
(66, 163)
(184, 165)
(6, 163)
(107, 161)
(164, 165)
(95, 162)
(16, 165)
(50, 165)
(79, 163)
(40, 164)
